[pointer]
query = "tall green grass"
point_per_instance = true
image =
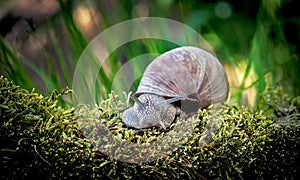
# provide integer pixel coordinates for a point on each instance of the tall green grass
(259, 44)
(12, 67)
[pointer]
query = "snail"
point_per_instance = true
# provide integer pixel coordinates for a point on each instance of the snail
(178, 82)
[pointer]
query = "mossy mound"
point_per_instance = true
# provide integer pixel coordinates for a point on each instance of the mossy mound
(40, 139)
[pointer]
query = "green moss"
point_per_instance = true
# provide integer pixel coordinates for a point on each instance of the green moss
(40, 139)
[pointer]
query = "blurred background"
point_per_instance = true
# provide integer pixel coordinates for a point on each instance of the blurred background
(258, 41)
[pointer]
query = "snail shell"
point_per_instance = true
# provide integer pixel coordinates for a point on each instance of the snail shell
(188, 75)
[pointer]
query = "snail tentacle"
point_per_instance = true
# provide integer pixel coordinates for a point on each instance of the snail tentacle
(139, 103)
(171, 100)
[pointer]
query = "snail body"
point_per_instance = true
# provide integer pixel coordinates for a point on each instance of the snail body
(188, 75)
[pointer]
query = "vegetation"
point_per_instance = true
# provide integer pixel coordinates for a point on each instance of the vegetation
(257, 43)
(257, 136)
(39, 139)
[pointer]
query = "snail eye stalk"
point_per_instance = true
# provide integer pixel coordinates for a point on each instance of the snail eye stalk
(169, 101)
(139, 103)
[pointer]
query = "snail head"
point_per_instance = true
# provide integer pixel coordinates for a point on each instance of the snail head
(149, 110)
